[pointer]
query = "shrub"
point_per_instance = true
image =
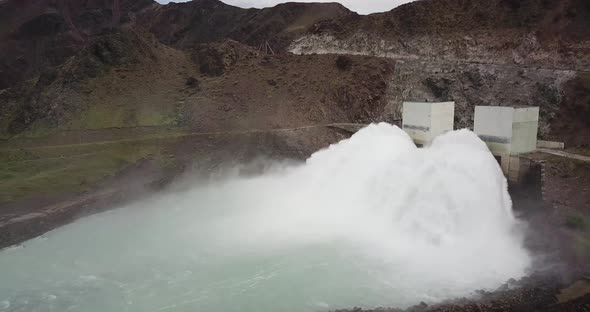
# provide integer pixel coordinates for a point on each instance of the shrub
(575, 222)
(193, 82)
(343, 62)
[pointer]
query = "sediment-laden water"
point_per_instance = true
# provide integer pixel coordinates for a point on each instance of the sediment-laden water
(371, 221)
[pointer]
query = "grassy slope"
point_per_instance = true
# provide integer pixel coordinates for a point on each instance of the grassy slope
(124, 97)
(71, 169)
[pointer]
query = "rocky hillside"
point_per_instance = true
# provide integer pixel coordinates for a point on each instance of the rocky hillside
(183, 25)
(500, 52)
(475, 52)
(548, 33)
(36, 34)
(128, 79)
(59, 94)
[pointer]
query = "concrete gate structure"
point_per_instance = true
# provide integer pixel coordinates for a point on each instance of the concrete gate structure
(509, 131)
(424, 121)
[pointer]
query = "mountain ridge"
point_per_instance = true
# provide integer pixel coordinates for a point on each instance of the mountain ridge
(546, 33)
(470, 51)
(45, 33)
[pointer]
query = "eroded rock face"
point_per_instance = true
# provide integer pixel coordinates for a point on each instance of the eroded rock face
(498, 52)
(483, 78)
(573, 117)
(214, 58)
(534, 33)
(509, 48)
(470, 85)
(56, 93)
(38, 34)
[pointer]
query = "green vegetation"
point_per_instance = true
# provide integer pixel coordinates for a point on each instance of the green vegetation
(4, 121)
(49, 171)
(39, 129)
(581, 244)
(575, 222)
(104, 116)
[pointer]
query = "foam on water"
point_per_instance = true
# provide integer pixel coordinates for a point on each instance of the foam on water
(371, 221)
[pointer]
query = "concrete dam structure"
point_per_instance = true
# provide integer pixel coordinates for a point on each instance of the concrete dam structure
(425, 121)
(508, 131)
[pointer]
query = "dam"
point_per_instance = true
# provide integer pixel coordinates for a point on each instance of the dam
(508, 131)
(424, 121)
(371, 221)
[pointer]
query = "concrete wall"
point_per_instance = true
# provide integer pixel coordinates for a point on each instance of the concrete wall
(442, 118)
(550, 145)
(416, 121)
(424, 121)
(508, 132)
(524, 130)
(493, 124)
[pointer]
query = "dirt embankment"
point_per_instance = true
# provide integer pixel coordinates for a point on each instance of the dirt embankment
(287, 90)
(529, 294)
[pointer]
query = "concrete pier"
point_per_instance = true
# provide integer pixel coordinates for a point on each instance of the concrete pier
(508, 131)
(424, 121)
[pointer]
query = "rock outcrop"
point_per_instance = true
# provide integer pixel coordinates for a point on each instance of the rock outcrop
(474, 52)
(35, 35)
(500, 52)
(61, 92)
(546, 33)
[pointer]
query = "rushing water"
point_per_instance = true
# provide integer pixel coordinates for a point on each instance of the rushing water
(371, 221)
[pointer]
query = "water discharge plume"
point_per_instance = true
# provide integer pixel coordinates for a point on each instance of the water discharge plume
(370, 221)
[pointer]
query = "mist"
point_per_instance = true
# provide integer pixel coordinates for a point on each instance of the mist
(370, 221)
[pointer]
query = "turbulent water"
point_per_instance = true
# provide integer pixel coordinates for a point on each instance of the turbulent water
(371, 221)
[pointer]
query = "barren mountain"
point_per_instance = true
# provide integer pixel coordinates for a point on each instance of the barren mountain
(35, 35)
(183, 25)
(141, 82)
(547, 33)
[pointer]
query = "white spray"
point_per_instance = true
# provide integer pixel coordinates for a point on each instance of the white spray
(370, 221)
